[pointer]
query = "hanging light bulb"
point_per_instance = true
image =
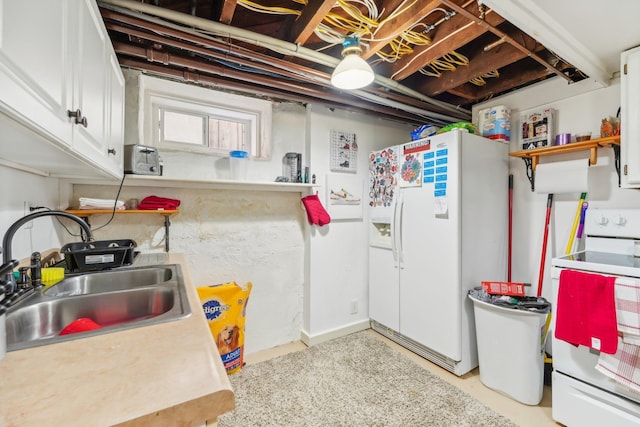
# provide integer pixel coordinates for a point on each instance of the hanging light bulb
(352, 72)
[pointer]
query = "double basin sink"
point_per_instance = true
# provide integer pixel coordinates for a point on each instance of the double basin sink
(116, 300)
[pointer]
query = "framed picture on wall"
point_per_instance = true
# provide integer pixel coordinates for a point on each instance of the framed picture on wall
(343, 152)
(344, 196)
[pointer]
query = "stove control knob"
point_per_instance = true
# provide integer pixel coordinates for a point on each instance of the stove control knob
(602, 220)
(620, 220)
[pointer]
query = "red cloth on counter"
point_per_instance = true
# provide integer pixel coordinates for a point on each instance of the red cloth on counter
(82, 324)
(586, 311)
(152, 203)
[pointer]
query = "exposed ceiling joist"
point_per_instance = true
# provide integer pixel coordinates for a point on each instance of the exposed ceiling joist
(432, 58)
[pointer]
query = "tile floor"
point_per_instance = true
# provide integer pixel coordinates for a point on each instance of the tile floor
(523, 415)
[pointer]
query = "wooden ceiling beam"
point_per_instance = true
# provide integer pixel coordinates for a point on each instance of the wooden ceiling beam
(508, 39)
(395, 26)
(511, 79)
(484, 62)
(479, 65)
(222, 11)
(465, 91)
(447, 37)
(312, 15)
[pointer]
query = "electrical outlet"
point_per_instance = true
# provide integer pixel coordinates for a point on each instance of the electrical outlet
(27, 211)
(354, 306)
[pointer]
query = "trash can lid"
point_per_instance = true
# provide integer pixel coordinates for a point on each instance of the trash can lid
(532, 304)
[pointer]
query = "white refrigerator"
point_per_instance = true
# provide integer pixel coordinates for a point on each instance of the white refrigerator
(438, 227)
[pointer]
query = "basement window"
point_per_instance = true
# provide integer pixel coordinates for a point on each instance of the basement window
(180, 117)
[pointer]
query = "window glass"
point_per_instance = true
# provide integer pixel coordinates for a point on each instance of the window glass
(182, 127)
(226, 134)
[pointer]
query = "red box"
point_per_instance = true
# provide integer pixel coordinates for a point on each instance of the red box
(504, 288)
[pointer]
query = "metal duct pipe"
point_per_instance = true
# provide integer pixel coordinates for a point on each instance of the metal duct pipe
(271, 43)
(169, 59)
(302, 95)
(215, 49)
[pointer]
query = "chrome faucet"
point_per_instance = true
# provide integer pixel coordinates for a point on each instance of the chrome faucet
(9, 280)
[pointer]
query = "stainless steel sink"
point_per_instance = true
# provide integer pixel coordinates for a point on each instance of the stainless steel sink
(109, 281)
(116, 300)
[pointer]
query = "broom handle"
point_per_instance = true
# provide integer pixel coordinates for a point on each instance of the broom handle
(510, 226)
(576, 220)
(544, 243)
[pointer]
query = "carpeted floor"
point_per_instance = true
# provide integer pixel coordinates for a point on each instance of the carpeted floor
(355, 380)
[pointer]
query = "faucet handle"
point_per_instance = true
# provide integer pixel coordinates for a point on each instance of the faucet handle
(23, 279)
(36, 269)
(8, 267)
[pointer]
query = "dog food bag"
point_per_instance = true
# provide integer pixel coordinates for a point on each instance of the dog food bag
(225, 307)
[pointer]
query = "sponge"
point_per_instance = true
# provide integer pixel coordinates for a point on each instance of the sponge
(52, 275)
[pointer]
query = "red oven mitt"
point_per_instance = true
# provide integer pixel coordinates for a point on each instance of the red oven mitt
(316, 214)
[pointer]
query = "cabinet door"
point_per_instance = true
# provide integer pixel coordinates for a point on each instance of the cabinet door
(90, 83)
(630, 118)
(115, 124)
(36, 66)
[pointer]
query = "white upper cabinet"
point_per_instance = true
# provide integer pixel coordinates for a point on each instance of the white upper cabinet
(59, 78)
(36, 64)
(630, 118)
(93, 92)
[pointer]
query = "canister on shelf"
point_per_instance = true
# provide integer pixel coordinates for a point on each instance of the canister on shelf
(291, 167)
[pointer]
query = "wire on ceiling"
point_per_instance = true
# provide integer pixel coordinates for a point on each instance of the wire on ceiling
(365, 26)
(480, 80)
(207, 28)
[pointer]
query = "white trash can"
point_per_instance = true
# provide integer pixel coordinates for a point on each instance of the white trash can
(511, 350)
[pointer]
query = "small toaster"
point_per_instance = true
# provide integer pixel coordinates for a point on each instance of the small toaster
(141, 160)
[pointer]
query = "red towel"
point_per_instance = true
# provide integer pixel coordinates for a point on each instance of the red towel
(152, 203)
(586, 311)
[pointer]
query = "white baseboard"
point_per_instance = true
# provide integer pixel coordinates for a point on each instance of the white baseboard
(335, 333)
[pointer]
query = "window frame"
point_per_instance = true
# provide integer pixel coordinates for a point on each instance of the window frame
(159, 94)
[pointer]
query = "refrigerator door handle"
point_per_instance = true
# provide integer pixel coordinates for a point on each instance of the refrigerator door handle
(394, 230)
(399, 221)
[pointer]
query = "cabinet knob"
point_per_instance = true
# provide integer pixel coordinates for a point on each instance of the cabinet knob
(111, 151)
(79, 118)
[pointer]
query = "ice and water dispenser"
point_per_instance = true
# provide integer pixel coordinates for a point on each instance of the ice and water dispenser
(380, 232)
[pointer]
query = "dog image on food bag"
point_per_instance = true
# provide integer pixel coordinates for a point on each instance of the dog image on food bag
(228, 339)
(224, 307)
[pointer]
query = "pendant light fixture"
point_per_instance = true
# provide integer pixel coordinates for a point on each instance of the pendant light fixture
(352, 72)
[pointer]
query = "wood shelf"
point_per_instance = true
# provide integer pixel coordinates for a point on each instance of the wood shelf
(86, 213)
(592, 145)
(531, 157)
(89, 212)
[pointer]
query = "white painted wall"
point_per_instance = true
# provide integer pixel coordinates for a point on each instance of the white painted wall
(579, 108)
(18, 188)
(338, 264)
(242, 236)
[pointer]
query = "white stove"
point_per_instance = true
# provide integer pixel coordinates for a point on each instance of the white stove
(582, 396)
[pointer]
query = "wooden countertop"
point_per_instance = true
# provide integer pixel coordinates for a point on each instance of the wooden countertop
(167, 374)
